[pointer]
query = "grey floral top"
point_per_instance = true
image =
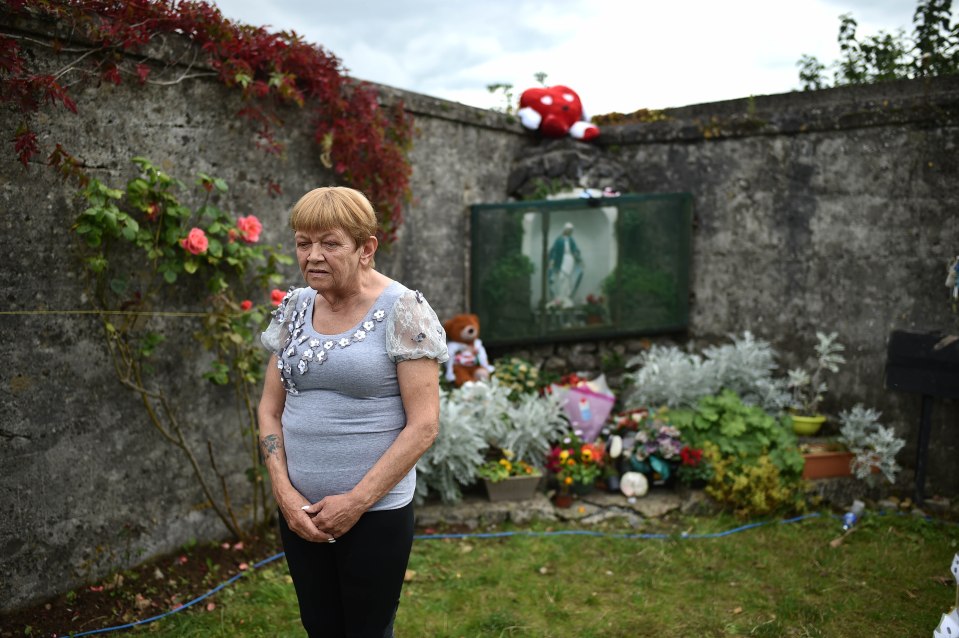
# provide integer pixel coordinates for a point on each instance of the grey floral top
(343, 408)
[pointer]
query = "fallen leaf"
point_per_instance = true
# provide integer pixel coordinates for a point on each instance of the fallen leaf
(210, 606)
(243, 567)
(141, 602)
(238, 546)
(466, 548)
(942, 580)
(912, 594)
(158, 574)
(409, 576)
(96, 588)
(544, 570)
(738, 610)
(182, 559)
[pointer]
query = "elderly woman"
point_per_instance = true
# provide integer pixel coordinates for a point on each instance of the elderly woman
(350, 402)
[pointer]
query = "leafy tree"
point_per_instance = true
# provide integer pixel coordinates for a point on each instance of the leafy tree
(931, 50)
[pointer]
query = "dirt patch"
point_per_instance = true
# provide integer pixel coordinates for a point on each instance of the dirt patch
(141, 592)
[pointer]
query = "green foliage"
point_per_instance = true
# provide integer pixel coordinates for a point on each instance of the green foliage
(144, 247)
(754, 457)
(933, 50)
(752, 487)
(739, 430)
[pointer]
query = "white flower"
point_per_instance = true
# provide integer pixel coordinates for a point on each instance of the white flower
(379, 315)
(314, 343)
(359, 335)
(344, 342)
(368, 325)
(327, 345)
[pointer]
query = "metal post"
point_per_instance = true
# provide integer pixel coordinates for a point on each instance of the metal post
(925, 426)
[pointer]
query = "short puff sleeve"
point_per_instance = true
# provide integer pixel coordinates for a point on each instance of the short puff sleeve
(272, 338)
(413, 330)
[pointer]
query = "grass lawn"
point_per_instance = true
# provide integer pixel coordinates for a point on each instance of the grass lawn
(890, 577)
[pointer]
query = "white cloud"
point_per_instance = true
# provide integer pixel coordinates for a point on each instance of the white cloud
(619, 55)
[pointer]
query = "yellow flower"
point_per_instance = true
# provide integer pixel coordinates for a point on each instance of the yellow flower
(587, 454)
(568, 480)
(571, 462)
(564, 455)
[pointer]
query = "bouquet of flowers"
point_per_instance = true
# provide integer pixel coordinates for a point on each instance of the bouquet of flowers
(650, 444)
(575, 462)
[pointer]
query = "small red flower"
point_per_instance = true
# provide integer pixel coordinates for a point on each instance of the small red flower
(276, 296)
(153, 211)
(245, 305)
(690, 456)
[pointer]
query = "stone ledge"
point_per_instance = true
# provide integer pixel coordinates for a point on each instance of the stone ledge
(475, 511)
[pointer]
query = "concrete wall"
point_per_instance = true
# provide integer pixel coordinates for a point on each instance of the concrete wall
(85, 484)
(831, 210)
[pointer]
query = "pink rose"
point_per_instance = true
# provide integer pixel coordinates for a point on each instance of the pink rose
(195, 242)
(250, 228)
(276, 296)
(245, 305)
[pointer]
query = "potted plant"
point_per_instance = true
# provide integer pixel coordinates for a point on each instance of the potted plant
(509, 479)
(808, 388)
(576, 465)
(826, 459)
(595, 309)
(864, 448)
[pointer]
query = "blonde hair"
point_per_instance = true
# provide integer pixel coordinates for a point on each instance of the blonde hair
(332, 207)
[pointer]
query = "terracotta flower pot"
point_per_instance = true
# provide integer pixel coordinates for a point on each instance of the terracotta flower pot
(827, 464)
(563, 500)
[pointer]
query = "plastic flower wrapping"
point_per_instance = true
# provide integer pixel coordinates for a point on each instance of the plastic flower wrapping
(587, 403)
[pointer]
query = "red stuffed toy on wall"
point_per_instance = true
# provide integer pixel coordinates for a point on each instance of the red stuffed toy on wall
(468, 361)
(556, 111)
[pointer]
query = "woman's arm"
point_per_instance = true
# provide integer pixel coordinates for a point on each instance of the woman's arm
(419, 390)
(289, 500)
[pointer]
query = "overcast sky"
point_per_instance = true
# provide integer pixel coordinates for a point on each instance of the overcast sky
(619, 55)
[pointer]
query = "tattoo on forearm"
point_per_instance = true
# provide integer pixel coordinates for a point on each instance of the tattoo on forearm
(271, 445)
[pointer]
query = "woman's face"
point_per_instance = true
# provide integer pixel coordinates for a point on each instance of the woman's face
(329, 259)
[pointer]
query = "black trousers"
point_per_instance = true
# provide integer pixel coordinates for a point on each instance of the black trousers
(351, 588)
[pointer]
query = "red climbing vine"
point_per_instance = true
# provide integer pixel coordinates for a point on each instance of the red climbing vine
(362, 141)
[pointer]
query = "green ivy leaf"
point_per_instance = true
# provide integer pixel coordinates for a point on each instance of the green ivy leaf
(119, 286)
(169, 276)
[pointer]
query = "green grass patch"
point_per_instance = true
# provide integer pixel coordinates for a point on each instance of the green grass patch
(889, 578)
